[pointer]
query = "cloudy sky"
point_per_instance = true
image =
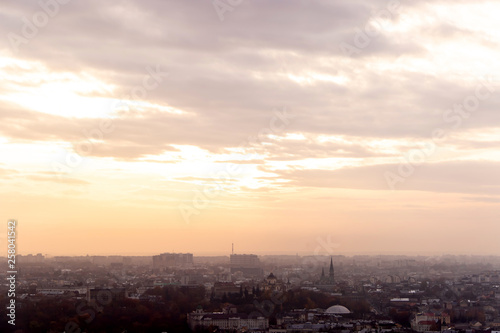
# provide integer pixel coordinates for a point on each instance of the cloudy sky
(140, 127)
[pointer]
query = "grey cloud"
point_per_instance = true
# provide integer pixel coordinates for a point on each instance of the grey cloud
(452, 177)
(230, 75)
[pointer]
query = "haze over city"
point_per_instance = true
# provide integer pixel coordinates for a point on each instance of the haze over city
(143, 127)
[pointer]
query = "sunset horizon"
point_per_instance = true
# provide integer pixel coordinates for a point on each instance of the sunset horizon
(150, 127)
(250, 166)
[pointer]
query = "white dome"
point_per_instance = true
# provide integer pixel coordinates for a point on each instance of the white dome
(337, 309)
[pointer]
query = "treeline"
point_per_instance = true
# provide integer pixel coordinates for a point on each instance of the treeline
(58, 314)
(165, 311)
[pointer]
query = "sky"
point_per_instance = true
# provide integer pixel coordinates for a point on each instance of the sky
(284, 127)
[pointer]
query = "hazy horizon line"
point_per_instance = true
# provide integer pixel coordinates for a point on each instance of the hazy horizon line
(261, 254)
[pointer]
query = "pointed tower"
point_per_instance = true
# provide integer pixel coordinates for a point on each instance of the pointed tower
(322, 273)
(331, 275)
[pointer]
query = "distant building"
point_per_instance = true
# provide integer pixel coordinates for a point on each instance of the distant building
(271, 283)
(334, 313)
(423, 322)
(31, 259)
(244, 260)
(337, 310)
(224, 288)
(227, 320)
(327, 282)
(248, 264)
(62, 291)
(105, 296)
(102, 260)
(165, 260)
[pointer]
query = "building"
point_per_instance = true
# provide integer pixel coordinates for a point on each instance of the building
(337, 310)
(271, 283)
(165, 260)
(31, 259)
(105, 296)
(224, 288)
(423, 322)
(330, 279)
(227, 320)
(62, 291)
(248, 264)
(327, 283)
(244, 260)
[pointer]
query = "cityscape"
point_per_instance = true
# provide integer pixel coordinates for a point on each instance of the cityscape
(250, 166)
(181, 292)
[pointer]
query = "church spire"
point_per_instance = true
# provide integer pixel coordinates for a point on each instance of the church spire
(331, 268)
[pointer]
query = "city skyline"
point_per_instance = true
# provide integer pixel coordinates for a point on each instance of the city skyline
(395, 253)
(147, 127)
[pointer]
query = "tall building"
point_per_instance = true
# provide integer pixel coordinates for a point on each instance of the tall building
(248, 264)
(172, 260)
(31, 259)
(327, 282)
(331, 278)
(244, 260)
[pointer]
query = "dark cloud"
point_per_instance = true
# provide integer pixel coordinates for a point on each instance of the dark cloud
(231, 74)
(229, 77)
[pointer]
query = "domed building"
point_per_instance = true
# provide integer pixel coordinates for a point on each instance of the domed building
(337, 310)
(271, 279)
(335, 313)
(271, 283)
